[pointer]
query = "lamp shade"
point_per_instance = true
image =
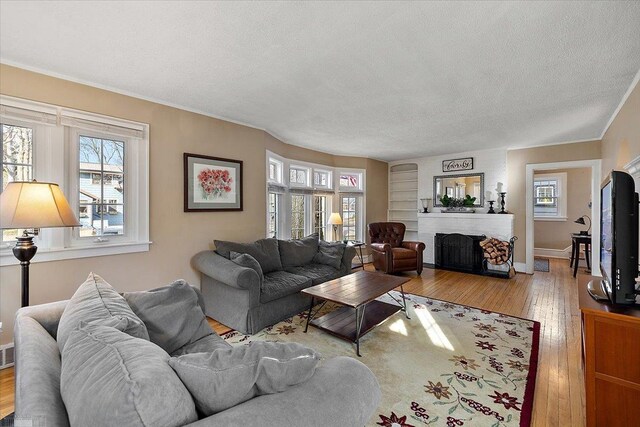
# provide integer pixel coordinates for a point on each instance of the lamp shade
(580, 221)
(35, 204)
(335, 219)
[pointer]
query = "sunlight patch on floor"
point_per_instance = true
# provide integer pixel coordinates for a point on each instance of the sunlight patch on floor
(399, 327)
(437, 336)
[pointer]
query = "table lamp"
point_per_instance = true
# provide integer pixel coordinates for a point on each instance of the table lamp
(32, 205)
(335, 220)
(581, 221)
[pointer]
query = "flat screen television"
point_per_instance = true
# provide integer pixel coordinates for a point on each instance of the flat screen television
(618, 240)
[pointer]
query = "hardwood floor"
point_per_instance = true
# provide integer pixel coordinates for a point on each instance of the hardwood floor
(550, 298)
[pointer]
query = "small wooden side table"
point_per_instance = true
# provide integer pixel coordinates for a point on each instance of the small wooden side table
(576, 241)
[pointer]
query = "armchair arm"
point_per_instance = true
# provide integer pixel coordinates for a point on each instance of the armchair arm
(226, 271)
(380, 247)
(416, 246)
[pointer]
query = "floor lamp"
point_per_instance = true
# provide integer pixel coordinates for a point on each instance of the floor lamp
(335, 220)
(32, 205)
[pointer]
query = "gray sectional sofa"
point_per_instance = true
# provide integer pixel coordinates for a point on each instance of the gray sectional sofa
(248, 293)
(102, 359)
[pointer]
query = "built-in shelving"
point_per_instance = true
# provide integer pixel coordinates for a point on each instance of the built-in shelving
(403, 197)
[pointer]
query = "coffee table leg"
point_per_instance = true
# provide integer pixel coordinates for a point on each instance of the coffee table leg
(359, 319)
(309, 316)
(404, 303)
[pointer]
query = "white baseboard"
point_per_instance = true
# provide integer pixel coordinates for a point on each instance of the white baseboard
(520, 267)
(553, 253)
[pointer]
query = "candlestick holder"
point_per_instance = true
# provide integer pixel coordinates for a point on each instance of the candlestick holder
(491, 211)
(502, 211)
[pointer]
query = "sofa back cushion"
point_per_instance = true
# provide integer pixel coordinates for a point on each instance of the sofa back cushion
(330, 254)
(95, 301)
(109, 378)
(172, 315)
(227, 377)
(297, 252)
(265, 251)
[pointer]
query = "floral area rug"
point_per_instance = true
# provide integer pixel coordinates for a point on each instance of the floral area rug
(448, 365)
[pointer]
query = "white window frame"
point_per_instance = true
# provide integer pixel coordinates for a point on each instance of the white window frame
(54, 126)
(307, 174)
(359, 176)
(328, 174)
(561, 196)
(279, 166)
(332, 192)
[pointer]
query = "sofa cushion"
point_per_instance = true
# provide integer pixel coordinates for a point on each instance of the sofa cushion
(403, 253)
(203, 345)
(318, 273)
(227, 377)
(96, 301)
(265, 251)
(111, 378)
(330, 254)
(246, 260)
(297, 252)
(280, 283)
(172, 315)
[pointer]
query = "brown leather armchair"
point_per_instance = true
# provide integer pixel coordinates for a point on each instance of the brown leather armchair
(390, 252)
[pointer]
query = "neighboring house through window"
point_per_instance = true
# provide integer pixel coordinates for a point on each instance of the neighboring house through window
(100, 163)
(550, 196)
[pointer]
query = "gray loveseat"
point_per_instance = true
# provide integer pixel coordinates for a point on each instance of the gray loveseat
(341, 392)
(249, 299)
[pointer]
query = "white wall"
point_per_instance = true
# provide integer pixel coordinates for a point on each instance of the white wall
(493, 163)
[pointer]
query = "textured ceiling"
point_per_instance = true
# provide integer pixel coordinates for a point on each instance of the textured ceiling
(388, 80)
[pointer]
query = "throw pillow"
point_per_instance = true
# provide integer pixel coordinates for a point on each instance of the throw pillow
(330, 254)
(111, 378)
(246, 260)
(172, 315)
(96, 301)
(227, 377)
(265, 251)
(297, 252)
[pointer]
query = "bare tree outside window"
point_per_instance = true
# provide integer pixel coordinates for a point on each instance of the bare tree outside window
(17, 162)
(297, 216)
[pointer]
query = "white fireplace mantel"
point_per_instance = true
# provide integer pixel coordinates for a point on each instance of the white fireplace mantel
(491, 225)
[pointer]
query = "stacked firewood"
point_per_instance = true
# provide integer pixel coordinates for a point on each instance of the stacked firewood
(496, 251)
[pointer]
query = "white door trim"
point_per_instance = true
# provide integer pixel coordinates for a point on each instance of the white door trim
(596, 177)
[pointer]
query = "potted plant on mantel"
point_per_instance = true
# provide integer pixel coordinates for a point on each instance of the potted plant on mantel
(453, 204)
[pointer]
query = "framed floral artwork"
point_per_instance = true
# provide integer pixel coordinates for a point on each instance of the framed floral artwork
(212, 183)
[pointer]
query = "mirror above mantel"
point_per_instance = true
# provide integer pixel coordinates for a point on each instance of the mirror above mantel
(458, 186)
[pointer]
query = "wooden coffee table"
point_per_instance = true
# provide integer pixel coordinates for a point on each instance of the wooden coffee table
(357, 292)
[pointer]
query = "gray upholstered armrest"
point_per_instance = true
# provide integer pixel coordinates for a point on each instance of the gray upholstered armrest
(342, 392)
(38, 366)
(223, 270)
(347, 258)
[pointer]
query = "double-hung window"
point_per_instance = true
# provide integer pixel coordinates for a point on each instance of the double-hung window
(101, 163)
(550, 196)
(351, 204)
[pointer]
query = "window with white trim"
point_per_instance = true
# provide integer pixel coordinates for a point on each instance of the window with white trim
(275, 171)
(297, 216)
(320, 216)
(550, 197)
(273, 212)
(17, 162)
(350, 207)
(306, 201)
(102, 165)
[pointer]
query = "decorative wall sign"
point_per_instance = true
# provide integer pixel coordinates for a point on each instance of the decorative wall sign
(212, 183)
(465, 164)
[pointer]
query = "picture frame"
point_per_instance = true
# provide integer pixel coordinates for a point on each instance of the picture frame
(212, 183)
